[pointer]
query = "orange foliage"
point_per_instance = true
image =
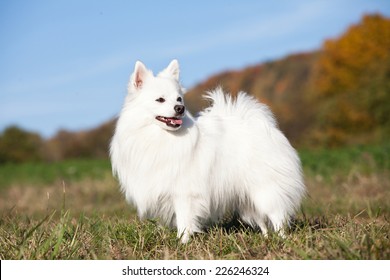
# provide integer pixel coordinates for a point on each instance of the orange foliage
(345, 59)
(352, 83)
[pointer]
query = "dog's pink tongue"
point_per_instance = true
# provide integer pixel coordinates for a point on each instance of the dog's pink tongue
(177, 121)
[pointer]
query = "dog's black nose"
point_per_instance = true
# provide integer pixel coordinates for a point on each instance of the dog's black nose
(179, 109)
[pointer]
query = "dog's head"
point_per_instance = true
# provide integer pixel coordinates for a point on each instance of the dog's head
(161, 96)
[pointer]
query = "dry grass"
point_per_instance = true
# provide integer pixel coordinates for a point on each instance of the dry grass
(85, 196)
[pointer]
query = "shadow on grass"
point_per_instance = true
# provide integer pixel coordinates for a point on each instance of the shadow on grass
(234, 224)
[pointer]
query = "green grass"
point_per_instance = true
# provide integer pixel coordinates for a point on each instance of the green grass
(330, 163)
(74, 210)
(41, 173)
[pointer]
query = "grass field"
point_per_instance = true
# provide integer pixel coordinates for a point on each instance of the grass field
(74, 210)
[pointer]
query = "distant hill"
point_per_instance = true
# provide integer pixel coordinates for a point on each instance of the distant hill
(338, 95)
(284, 85)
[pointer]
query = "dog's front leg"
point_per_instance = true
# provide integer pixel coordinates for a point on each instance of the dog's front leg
(185, 218)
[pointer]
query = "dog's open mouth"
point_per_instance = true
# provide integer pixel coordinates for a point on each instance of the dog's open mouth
(172, 122)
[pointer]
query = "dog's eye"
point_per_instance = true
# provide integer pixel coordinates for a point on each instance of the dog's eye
(179, 99)
(161, 100)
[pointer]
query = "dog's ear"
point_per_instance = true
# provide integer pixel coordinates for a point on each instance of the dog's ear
(139, 75)
(172, 70)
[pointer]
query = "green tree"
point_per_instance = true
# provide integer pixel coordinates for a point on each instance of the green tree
(18, 145)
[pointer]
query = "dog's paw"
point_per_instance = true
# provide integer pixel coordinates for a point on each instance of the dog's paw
(184, 237)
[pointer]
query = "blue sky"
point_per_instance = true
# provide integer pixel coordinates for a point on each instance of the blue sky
(65, 64)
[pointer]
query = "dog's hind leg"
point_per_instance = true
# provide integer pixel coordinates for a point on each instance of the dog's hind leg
(277, 220)
(261, 223)
(269, 212)
(255, 219)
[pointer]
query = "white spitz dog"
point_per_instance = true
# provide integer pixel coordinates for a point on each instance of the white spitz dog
(189, 172)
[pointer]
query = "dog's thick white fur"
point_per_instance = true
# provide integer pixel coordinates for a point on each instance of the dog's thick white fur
(189, 172)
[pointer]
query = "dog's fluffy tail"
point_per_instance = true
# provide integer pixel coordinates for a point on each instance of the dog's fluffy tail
(243, 106)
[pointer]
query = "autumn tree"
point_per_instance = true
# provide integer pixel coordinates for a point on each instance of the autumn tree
(353, 82)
